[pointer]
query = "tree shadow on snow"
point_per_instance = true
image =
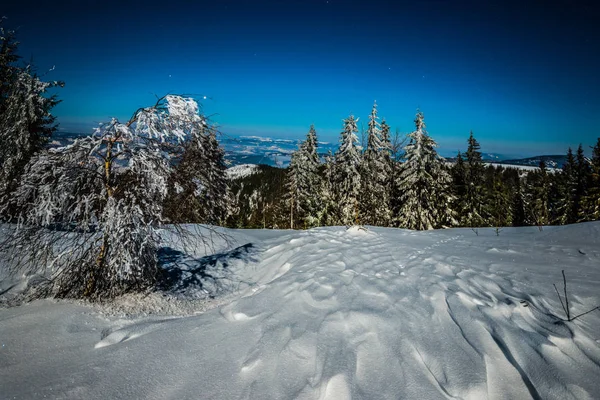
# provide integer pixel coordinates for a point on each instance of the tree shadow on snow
(208, 276)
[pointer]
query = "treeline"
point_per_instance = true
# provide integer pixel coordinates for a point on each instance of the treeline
(416, 188)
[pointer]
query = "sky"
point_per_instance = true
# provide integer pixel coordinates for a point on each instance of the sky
(522, 75)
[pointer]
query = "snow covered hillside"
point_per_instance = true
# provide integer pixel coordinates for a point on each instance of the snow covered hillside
(332, 313)
(241, 171)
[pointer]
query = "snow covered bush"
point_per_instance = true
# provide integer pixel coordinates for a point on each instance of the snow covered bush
(91, 211)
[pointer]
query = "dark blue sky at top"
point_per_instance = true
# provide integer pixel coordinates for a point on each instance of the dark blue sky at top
(522, 75)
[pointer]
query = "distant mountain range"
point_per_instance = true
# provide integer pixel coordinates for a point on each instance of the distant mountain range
(277, 152)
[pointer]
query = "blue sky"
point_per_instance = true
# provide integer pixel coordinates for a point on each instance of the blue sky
(522, 77)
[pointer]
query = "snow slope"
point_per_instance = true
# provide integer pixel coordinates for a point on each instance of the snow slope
(332, 313)
(241, 171)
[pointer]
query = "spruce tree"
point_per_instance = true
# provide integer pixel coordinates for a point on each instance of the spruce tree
(518, 217)
(329, 215)
(347, 182)
(426, 201)
(376, 171)
(537, 196)
(310, 181)
(8, 58)
(474, 211)
(567, 180)
(498, 198)
(591, 202)
(26, 122)
(292, 187)
(393, 154)
(304, 183)
(214, 194)
(583, 174)
(459, 183)
(199, 189)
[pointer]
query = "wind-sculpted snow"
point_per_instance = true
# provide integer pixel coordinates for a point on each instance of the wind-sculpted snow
(332, 313)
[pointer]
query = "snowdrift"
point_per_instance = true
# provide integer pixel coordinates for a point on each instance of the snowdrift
(332, 313)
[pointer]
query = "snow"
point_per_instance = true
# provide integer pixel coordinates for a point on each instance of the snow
(521, 167)
(241, 171)
(335, 313)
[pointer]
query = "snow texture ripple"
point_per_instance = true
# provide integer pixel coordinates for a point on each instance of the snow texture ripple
(332, 313)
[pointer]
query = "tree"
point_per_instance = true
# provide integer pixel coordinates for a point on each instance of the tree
(347, 183)
(567, 208)
(90, 212)
(474, 213)
(26, 122)
(293, 187)
(311, 185)
(498, 198)
(304, 182)
(425, 184)
(329, 215)
(583, 174)
(8, 58)
(591, 202)
(459, 183)
(518, 217)
(199, 190)
(376, 174)
(537, 196)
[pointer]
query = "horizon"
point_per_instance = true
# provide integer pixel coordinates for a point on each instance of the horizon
(525, 83)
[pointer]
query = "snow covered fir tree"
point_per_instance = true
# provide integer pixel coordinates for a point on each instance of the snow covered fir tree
(376, 175)
(425, 184)
(346, 175)
(26, 122)
(304, 184)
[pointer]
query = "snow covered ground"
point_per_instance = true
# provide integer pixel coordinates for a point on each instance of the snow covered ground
(332, 313)
(241, 171)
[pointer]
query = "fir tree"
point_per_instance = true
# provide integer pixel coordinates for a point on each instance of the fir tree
(591, 202)
(518, 217)
(8, 68)
(292, 187)
(537, 197)
(426, 201)
(329, 215)
(304, 183)
(583, 174)
(498, 199)
(199, 191)
(310, 181)
(215, 195)
(376, 172)
(567, 208)
(459, 180)
(474, 212)
(200, 182)
(347, 183)
(26, 122)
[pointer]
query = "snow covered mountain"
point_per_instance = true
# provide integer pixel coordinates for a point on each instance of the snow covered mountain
(331, 313)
